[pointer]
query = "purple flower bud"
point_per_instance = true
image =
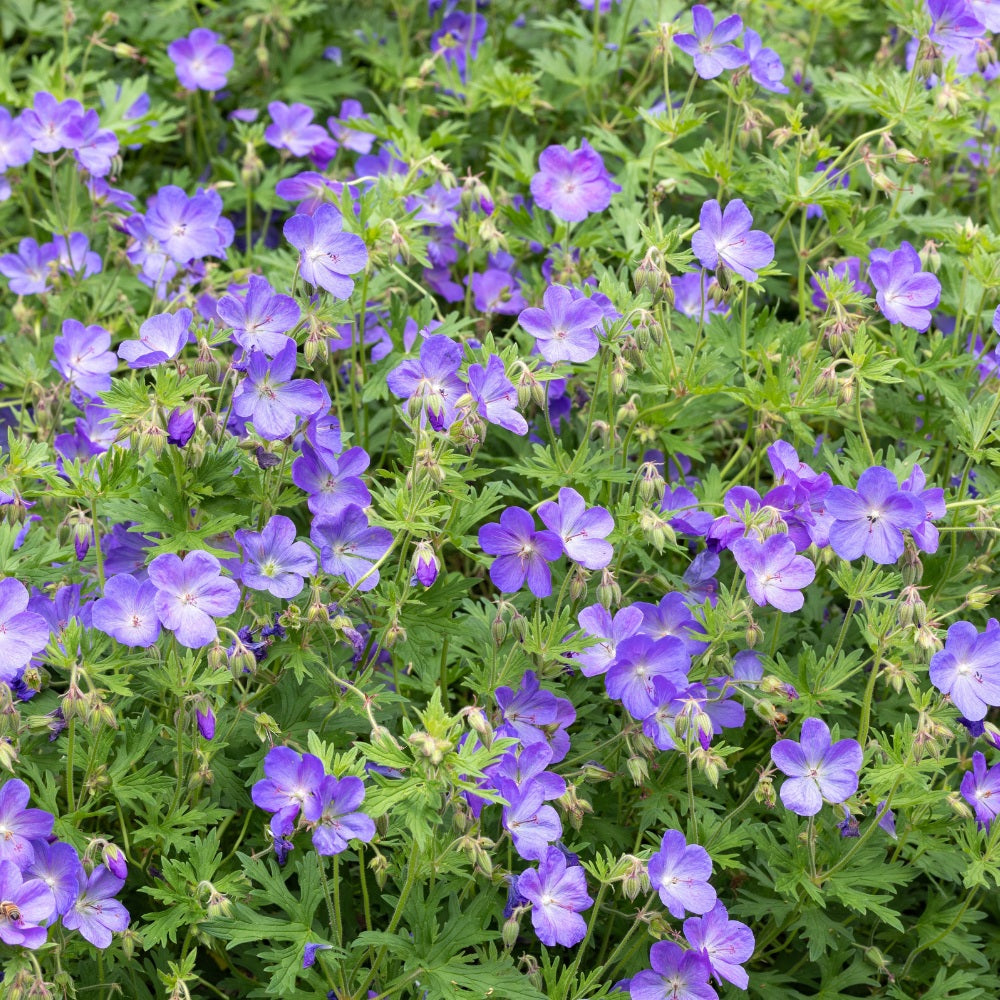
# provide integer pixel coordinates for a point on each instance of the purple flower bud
(180, 427)
(425, 563)
(206, 722)
(114, 859)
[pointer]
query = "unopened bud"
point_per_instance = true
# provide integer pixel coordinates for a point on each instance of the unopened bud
(578, 584)
(638, 769)
(764, 791)
(499, 630)
(608, 591)
(265, 727)
(511, 929)
(519, 626)
(635, 881)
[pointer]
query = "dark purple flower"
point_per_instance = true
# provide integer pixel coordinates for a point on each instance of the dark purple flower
(816, 769)
(201, 60)
(292, 128)
(426, 564)
(925, 535)
(571, 185)
(495, 396)
(188, 228)
(710, 44)
(291, 782)
(775, 574)
(765, 64)
(332, 483)
(531, 825)
(28, 270)
(339, 820)
(675, 974)
(127, 611)
(327, 255)
(24, 905)
(564, 328)
(274, 561)
(726, 239)
(596, 622)
(557, 892)
(260, 320)
(582, 530)
(968, 669)
(59, 867)
(180, 427)
(190, 594)
(680, 872)
(205, 718)
(96, 914)
(272, 399)
(161, 338)
(521, 551)
(19, 825)
(639, 660)
(350, 547)
(727, 943)
(431, 385)
(870, 521)
(981, 789)
(904, 293)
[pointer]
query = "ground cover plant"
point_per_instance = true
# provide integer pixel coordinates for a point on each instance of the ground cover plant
(499, 500)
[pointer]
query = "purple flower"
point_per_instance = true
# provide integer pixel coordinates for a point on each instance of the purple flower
(58, 866)
(564, 328)
(458, 39)
(816, 770)
(22, 634)
(339, 820)
(292, 128)
(96, 914)
(19, 825)
(727, 943)
(205, 718)
(327, 255)
(82, 357)
(431, 384)
(127, 611)
(680, 872)
(201, 60)
(496, 291)
(350, 547)
(437, 206)
(870, 520)
(535, 715)
(28, 270)
(188, 228)
(308, 188)
(596, 622)
(765, 64)
(693, 295)
(968, 669)
(981, 789)
(639, 660)
(260, 320)
(15, 143)
(775, 574)
(24, 904)
(495, 396)
(426, 564)
(904, 293)
(925, 535)
(272, 399)
(291, 782)
(274, 561)
(161, 338)
(954, 28)
(676, 974)
(709, 45)
(582, 531)
(557, 893)
(75, 256)
(309, 953)
(332, 483)
(190, 594)
(180, 427)
(726, 239)
(531, 825)
(49, 123)
(672, 616)
(521, 551)
(572, 184)
(93, 147)
(346, 135)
